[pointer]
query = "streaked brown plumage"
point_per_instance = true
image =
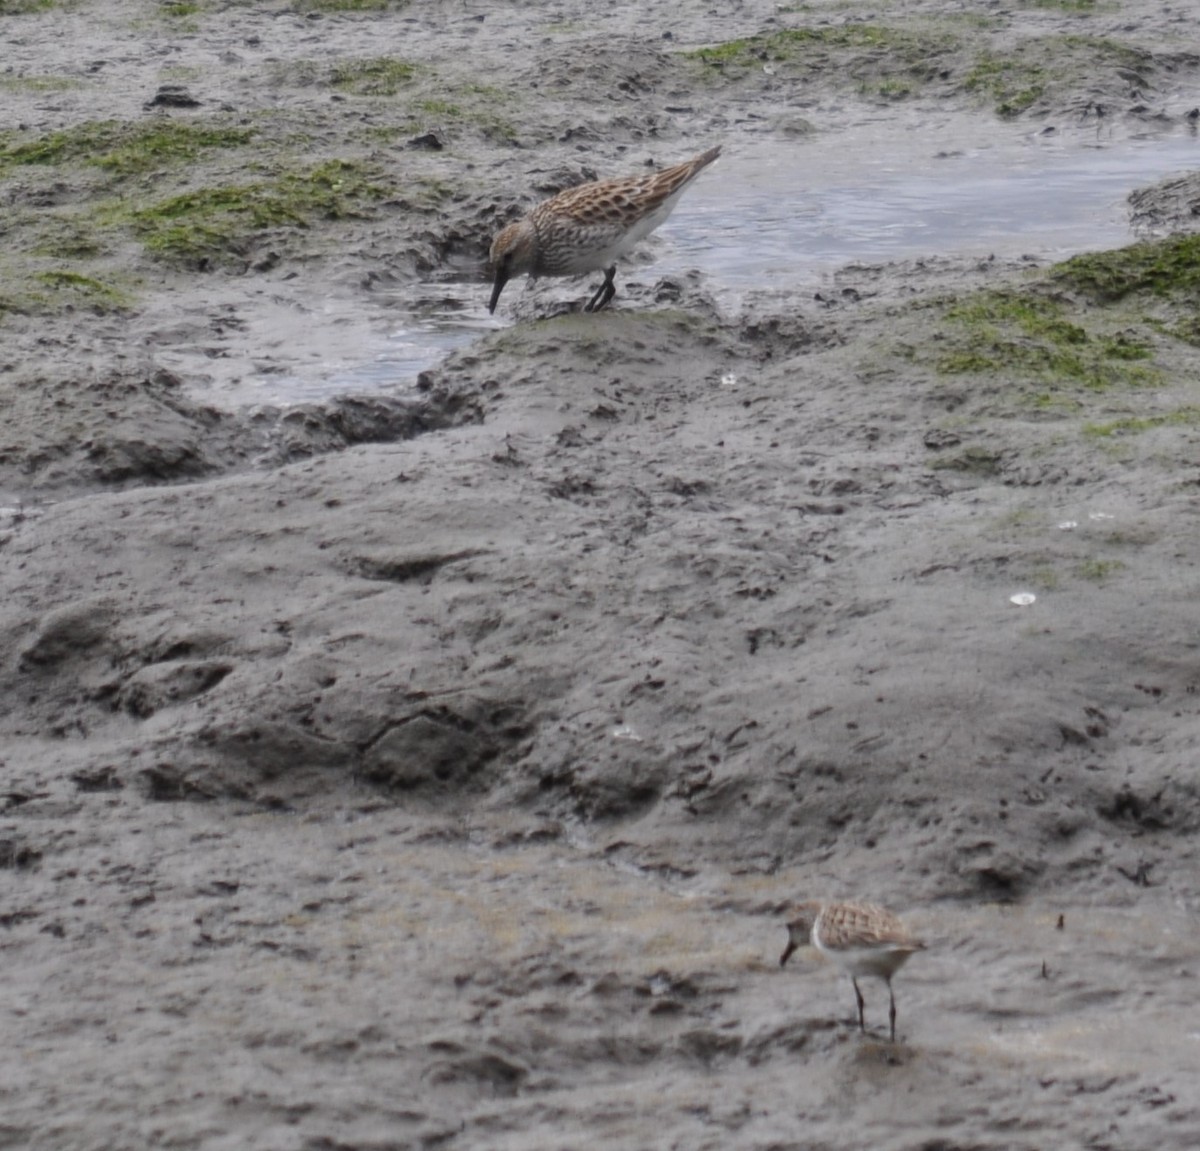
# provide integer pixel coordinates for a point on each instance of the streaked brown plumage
(590, 227)
(861, 938)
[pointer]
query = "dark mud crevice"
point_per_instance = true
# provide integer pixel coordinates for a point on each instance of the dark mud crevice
(1170, 206)
(445, 751)
(163, 437)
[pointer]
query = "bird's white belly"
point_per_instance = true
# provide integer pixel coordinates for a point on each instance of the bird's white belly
(877, 962)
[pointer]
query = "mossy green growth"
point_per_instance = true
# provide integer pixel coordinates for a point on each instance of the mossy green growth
(219, 225)
(374, 76)
(125, 148)
(84, 290)
(1014, 84)
(438, 108)
(1187, 330)
(212, 224)
(894, 59)
(1168, 268)
(1103, 49)
(473, 105)
(40, 83)
(24, 7)
(881, 61)
(892, 89)
(69, 238)
(23, 292)
(1054, 401)
(1136, 425)
(1014, 81)
(1027, 335)
(792, 42)
(1097, 570)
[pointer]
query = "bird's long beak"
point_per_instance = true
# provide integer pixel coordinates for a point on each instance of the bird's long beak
(497, 288)
(787, 953)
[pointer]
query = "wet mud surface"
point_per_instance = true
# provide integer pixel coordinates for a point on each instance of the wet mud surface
(432, 766)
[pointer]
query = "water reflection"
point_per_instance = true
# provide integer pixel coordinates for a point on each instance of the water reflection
(788, 213)
(364, 344)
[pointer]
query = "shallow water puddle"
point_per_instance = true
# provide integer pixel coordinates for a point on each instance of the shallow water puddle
(778, 216)
(781, 216)
(351, 346)
(417, 342)
(396, 355)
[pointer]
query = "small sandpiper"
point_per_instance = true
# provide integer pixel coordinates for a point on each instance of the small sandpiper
(860, 938)
(590, 227)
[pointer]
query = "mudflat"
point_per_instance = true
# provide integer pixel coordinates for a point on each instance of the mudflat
(432, 764)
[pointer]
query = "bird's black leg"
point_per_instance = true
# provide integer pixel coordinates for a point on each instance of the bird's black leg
(862, 1025)
(892, 1012)
(610, 289)
(604, 293)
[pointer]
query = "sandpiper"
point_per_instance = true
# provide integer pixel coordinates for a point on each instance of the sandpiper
(861, 938)
(590, 227)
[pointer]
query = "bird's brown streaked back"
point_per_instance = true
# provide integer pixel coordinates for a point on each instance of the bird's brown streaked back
(590, 227)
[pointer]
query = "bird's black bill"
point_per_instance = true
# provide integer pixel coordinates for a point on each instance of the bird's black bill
(787, 953)
(497, 288)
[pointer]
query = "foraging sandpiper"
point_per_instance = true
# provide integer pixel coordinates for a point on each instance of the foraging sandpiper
(861, 938)
(590, 227)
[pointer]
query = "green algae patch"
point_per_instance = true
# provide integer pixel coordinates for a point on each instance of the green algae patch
(1015, 80)
(75, 288)
(220, 225)
(212, 225)
(795, 43)
(67, 238)
(1186, 417)
(1160, 278)
(475, 106)
(893, 61)
(25, 7)
(1012, 83)
(889, 61)
(1086, 351)
(491, 112)
(1029, 337)
(352, 75)
(40, 83)
(124, 149)
(1097, 570)
(1168, 269)
(376, 76)
(54, 290)
(1187, 330)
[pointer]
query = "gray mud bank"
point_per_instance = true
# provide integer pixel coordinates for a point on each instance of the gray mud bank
(432, 766)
